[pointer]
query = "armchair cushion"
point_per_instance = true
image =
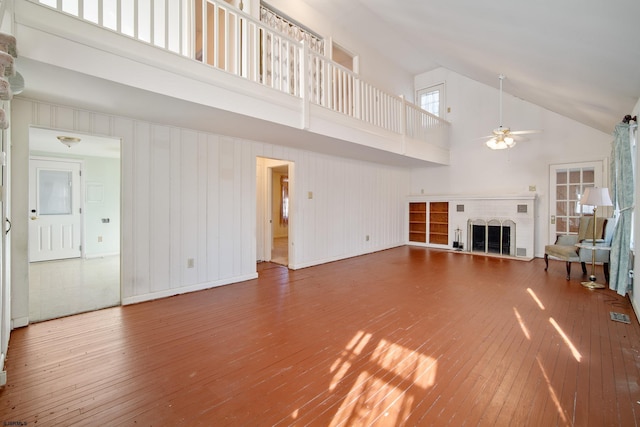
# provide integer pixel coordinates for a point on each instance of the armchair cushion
(602, 256)
(564, 248)
(563, 252)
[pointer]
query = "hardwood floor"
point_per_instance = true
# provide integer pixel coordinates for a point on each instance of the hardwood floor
(408, 336)
(280, 251)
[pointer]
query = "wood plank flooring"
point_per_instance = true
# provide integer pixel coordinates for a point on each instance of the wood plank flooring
(408, 336)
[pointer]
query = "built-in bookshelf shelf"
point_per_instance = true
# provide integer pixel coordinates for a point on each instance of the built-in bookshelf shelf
(418, 222)
(439, 223)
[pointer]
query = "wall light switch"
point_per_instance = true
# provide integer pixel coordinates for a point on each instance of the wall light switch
(190, 263)
(310, 195)
(532, 188)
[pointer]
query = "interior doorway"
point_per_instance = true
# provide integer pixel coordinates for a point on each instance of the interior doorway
(74, 223)
(280, 214)
(274, 216)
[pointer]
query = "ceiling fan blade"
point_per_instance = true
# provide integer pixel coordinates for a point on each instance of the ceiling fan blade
(525, 132)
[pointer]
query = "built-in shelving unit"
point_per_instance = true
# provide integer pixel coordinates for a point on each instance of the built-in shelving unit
(439, 223)
(418, 222)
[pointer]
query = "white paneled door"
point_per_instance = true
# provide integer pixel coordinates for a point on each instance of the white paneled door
(55, 212)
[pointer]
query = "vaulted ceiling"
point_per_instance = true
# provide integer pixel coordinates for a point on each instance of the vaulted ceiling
(578, 58)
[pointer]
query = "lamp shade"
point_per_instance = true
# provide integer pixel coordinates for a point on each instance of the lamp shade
(594, 196)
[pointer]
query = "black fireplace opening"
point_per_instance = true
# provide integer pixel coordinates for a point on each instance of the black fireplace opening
(496, 237)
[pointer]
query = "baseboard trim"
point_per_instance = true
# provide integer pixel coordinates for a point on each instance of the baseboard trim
(101, 255)
(19, 322)
(186, 289)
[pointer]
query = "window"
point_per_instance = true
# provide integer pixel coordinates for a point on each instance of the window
(343, 57)
(432, 99)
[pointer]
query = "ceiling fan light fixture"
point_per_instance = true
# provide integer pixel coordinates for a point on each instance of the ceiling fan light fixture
(69, 141)
(501, 143)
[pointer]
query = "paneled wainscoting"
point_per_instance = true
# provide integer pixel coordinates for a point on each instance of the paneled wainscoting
(407, 336)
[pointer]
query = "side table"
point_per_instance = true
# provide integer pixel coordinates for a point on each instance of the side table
(592, 284)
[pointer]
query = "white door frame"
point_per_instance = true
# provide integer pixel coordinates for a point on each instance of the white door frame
(267, 206)
(600, 168)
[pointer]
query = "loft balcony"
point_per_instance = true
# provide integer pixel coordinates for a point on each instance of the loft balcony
(208, 66)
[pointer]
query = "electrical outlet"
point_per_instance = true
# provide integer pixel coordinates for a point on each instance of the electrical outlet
(99, 239)
(190, 263)
(367, 238)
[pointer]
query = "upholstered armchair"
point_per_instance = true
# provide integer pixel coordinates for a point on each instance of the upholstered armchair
(565, 248)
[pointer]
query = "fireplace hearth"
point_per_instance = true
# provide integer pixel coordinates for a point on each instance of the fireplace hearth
(492, 237)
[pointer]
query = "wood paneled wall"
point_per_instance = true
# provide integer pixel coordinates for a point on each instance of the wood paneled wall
(188, 194)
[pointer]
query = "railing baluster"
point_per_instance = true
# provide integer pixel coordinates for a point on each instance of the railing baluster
(227, 40)
(214, 38)
(166, 25)
(119, 16)
(204, 44)
(152, 8)
(136, 11)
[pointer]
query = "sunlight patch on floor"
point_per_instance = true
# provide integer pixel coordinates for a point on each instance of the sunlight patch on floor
(535, 298)
(524, 328)
(351, 351)
(574, 350)
(552, 392)
(387, 392)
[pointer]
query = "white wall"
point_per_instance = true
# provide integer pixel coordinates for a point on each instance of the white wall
(477, 170)
(102, 238)
(188, 194)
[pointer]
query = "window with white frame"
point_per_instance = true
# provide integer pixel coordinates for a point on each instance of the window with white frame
(432, 99)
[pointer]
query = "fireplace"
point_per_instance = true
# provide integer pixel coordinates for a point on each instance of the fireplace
(492, 237)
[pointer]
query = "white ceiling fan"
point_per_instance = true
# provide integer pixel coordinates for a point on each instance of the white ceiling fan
(502, 137)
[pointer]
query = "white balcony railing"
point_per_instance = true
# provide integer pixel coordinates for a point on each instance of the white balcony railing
(220, 35)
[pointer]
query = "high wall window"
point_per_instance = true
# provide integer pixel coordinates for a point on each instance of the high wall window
(431, 99)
